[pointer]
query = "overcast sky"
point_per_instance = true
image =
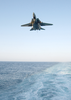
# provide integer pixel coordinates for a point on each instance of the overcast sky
(20, 44)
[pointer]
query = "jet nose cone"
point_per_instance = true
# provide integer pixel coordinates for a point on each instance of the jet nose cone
(34, 16)
(33, 13)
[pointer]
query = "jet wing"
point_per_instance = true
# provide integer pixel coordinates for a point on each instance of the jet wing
(45, 24)
(28, 24)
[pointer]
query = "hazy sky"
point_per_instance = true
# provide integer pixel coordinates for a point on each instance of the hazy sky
(20, 44)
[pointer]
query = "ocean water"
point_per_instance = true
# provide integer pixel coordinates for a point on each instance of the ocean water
(35, 81)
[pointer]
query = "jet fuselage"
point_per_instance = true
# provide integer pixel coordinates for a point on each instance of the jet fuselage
(36, 23)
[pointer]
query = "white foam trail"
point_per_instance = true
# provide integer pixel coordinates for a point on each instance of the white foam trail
(62, 68)
(52, 84)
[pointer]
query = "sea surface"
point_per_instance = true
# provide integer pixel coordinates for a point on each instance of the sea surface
(35, 80)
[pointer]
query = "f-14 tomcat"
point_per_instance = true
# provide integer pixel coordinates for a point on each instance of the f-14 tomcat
(36, 24)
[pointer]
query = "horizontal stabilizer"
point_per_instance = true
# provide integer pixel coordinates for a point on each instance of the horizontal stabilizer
(31, 29)
(42, 28)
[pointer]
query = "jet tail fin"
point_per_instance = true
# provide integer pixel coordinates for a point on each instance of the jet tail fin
(38, 29)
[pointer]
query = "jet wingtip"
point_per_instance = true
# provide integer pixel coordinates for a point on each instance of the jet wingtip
(22, 25)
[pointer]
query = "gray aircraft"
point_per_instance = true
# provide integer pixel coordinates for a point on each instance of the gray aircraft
(36, 24)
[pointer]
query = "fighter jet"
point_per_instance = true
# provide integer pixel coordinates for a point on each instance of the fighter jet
(36, 24)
